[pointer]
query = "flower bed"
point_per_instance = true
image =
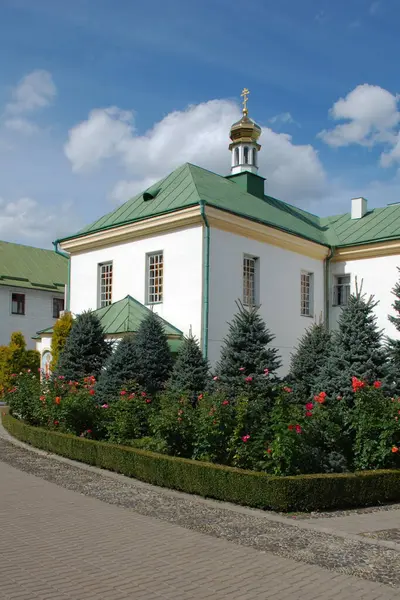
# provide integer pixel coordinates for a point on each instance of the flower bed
(250, 488)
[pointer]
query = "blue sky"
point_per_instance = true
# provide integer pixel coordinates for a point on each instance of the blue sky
(98, 99)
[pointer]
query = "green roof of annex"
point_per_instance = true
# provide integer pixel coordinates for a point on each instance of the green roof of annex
(33, 268)
(188, 185)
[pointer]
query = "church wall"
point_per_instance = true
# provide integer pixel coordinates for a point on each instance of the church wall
(38, 313)
(279, 290)
(182, 275)
(378, 275)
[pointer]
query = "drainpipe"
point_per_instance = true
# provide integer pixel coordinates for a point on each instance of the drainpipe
(327, 286)
(206, 278)
(68, 295)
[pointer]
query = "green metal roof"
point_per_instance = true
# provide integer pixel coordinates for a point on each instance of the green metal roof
(125, 316)
(189, 184)
(34, 268)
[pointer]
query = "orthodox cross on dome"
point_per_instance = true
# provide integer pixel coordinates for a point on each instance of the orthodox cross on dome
(245, 94)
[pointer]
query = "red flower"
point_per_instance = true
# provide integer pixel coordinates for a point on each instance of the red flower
(57, 400)
(308, 413)
(395, 449)
(61, 377)
(377, 384)
(309, 406)
(42, 398)
(248, 379)
(245, 438)
(268, 450)
(357, 384)
(290, 427)
(298, 429)
(225, 403)
(320, 398)
(214, 422)
(200, 397)
(339, 397)
(131, 396)
(143, 394)
(56, 422)
(92, 392)
(122, 392)
(88, 431)
(287, 389)
(148, 400)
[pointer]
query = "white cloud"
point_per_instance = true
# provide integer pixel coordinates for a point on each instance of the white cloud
(26, 219)
(372, 116)
(21, 125)
(285, 117)
(199, 134)
(35, 90)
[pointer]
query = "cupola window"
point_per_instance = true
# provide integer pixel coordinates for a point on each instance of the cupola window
(236, 156)
(246, 155)
(254, 157)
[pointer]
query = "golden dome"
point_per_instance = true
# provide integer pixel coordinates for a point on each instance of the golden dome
(245, 130)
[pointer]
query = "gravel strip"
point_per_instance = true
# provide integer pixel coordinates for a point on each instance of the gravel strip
(346, 513)
(344, 555)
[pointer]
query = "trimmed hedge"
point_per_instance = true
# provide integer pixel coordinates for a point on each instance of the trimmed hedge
(250, 488)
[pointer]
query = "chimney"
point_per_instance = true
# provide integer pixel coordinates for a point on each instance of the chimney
(358, 208)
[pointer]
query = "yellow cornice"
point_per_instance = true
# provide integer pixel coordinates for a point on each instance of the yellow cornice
(187, 217)
(263, 233)
(123, 233)
(374, 250)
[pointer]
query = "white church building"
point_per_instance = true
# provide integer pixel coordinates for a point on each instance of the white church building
(194, 243)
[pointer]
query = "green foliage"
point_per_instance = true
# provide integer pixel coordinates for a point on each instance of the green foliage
(189, 374)
(308, 360)
(213, 429)
(393, 345)
(23, 398)
(355, 350)
(302, 493)
(247, 361)
(61, 331)
(120, 369)
(85, 350)
(173, 424)
(154, 360)
(14, 359)
(128, 418)
(376, 424)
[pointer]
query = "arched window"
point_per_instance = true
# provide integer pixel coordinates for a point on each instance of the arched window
(246, 155)
(254, 157)
(236, 159)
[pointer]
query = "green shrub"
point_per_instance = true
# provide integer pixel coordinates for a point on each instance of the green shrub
(213, 428)
(23, 399)
(301, 493)
(173, 424)
(128, 418)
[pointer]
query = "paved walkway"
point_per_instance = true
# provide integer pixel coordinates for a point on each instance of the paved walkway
(57, 544)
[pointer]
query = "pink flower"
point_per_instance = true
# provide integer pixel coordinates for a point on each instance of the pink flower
(61, 377)
(28, 371)
(143, 394)
(339, 397)
(225, 403)
(179, 419)
(200, 397)
(298, 429)
(242, 369)
(148, 400)
(377, 384)
(309, 406)
(122, 392)
(287, 389)
(216, 378)
(248, 379)
(104, 406)
(308, 413)
(245, 438)
(266, 371)
(180, 412)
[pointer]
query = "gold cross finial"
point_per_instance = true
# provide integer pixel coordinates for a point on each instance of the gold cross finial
(245, 94)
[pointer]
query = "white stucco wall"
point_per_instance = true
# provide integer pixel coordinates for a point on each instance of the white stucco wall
(182, 292)
(378, 276)
(38, 313)
(279, 293)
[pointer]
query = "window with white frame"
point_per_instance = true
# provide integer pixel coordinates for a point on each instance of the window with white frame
(18, 304)
(105, 284)
(250, 283)
(58, 307)
(155, 274)
(341, 290)
(306, 294)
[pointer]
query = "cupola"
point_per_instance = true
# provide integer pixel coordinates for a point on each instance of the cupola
(244, 146)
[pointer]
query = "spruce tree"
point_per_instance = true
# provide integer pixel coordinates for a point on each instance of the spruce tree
(393, 345)
(61, 330)
(154, 360)
(355, 351)
(120, 369)
(310, 356)
(85, 350)
(190, 369)
(247, 359)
